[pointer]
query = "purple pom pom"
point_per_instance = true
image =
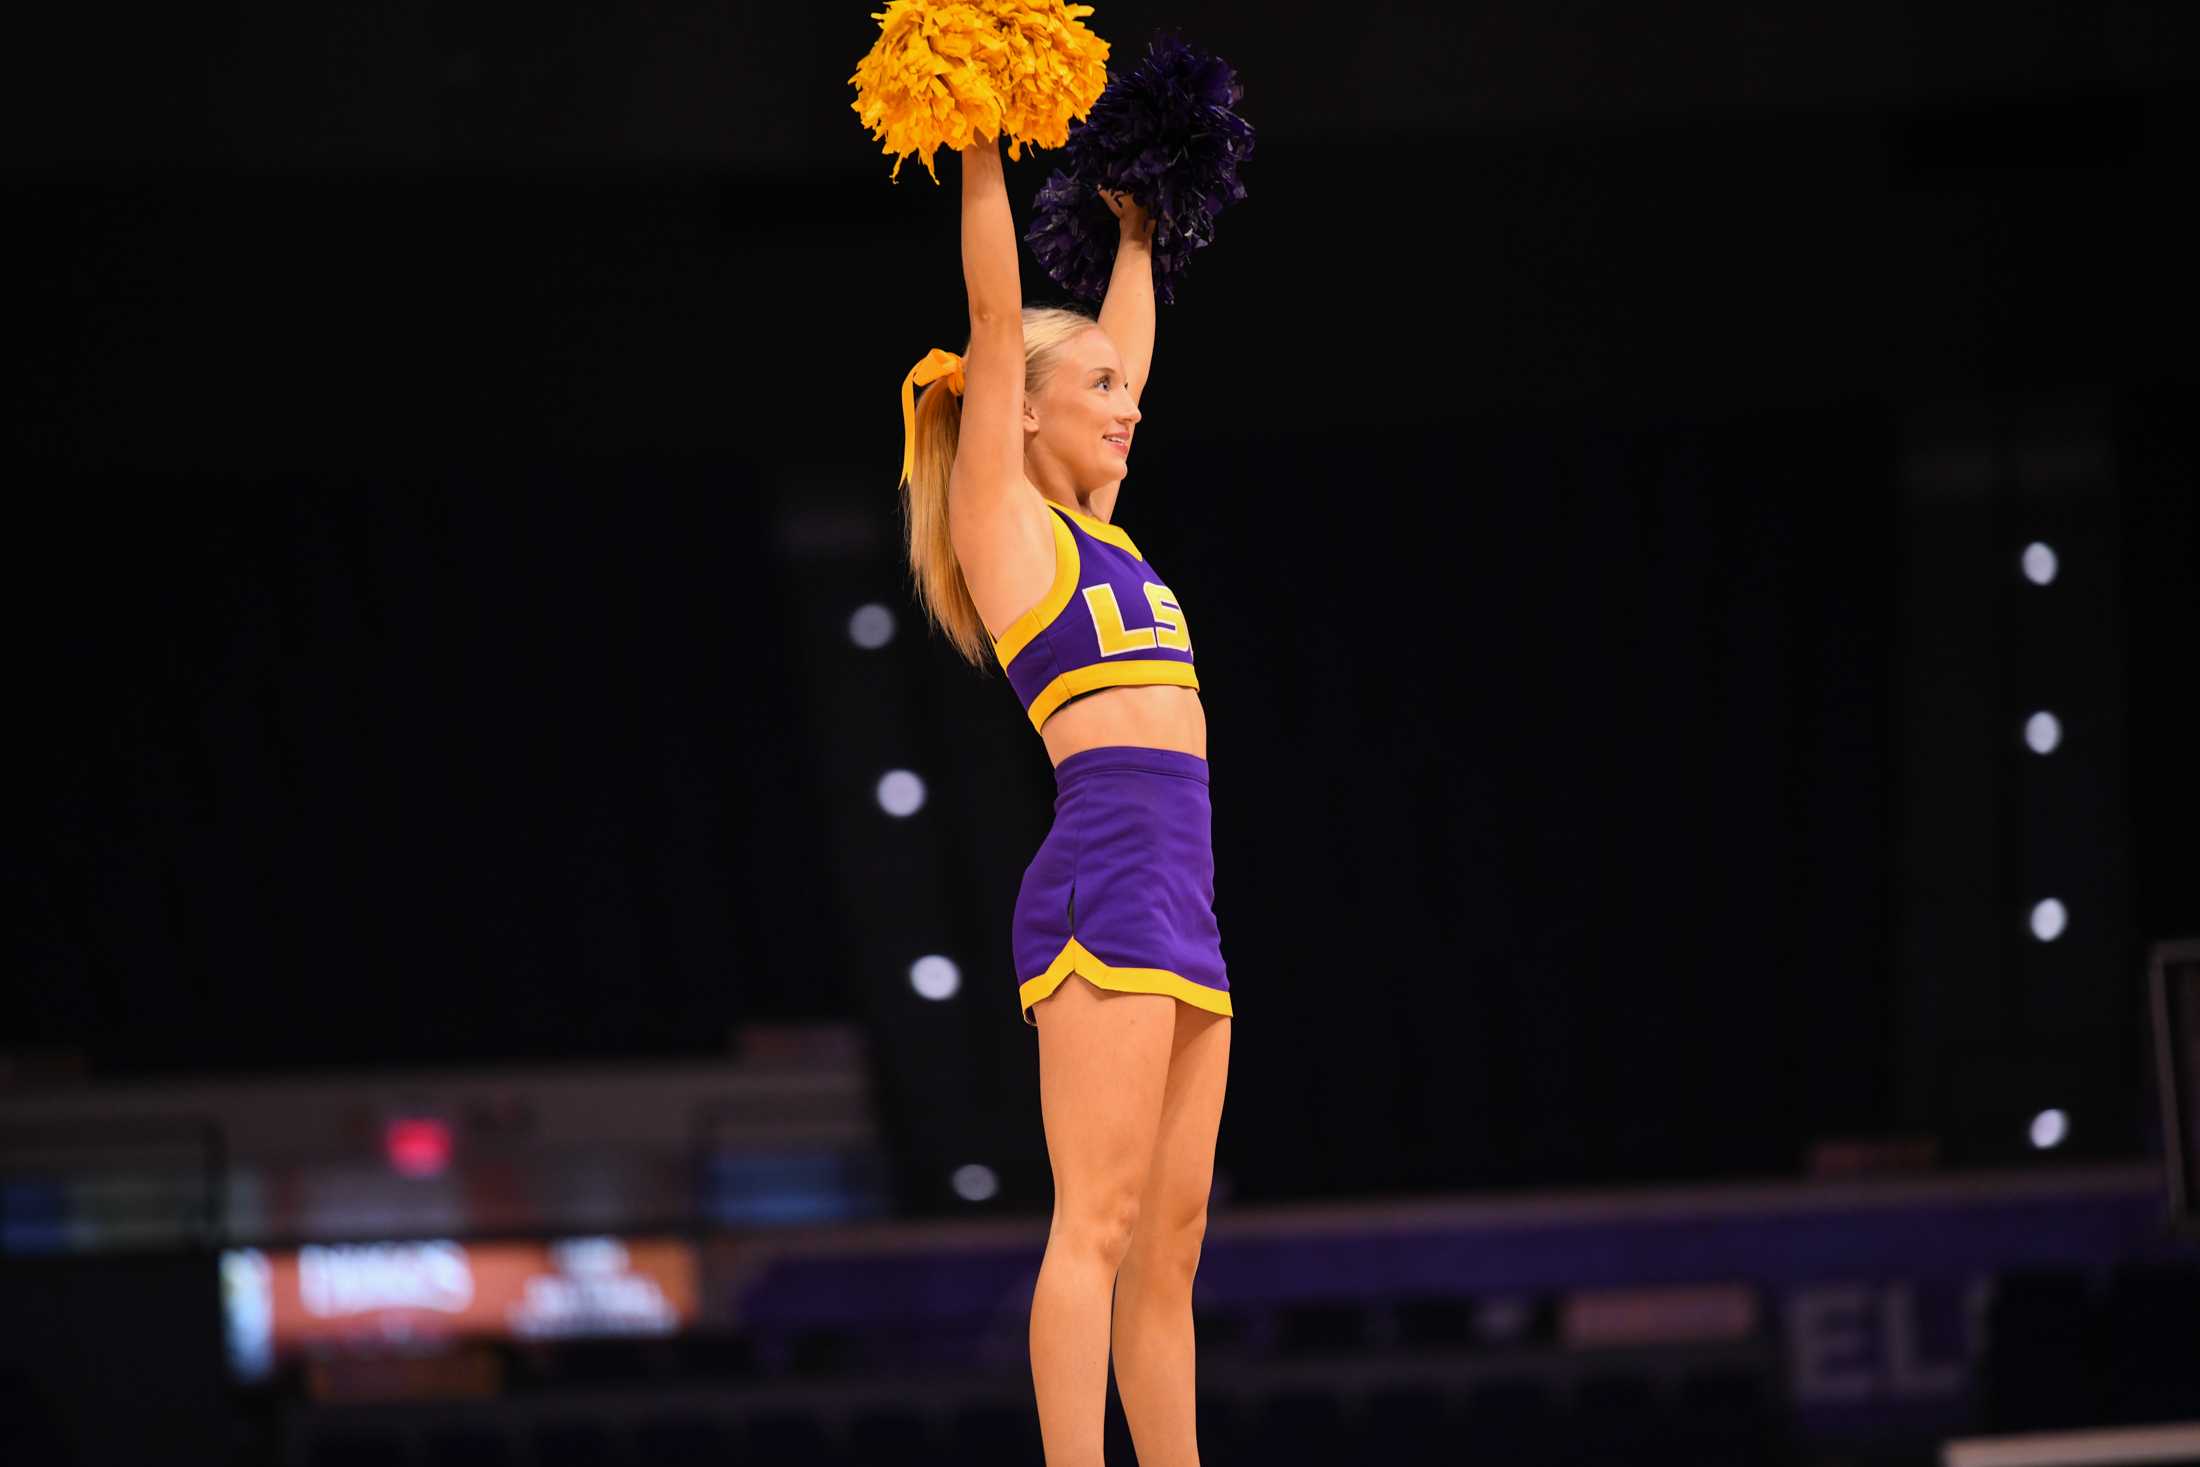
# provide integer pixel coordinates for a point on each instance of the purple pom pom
(1163, 133)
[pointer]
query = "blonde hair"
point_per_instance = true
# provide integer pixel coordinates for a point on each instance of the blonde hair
(940, 587)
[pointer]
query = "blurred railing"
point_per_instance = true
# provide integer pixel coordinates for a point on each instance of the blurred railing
(553, 1151)
(121, 1183)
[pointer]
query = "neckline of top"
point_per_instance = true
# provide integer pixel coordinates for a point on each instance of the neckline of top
(1101, 530)
(1080, 516)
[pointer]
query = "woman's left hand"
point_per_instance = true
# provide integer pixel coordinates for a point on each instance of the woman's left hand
(1136, 223)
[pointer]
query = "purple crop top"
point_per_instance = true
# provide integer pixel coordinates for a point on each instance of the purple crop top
(1107, 621)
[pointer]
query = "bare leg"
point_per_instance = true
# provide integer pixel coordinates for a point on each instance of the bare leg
(1155, 1354)
(1103, 1069)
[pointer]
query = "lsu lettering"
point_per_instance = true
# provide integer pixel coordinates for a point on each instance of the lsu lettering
(1169, 629)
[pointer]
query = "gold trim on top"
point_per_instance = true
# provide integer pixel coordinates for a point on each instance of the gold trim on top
(1075, 958)
(1144, 673)
(1031, 623)
(1115, 535)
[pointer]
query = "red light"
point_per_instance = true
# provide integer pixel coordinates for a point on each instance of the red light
(417, 1146)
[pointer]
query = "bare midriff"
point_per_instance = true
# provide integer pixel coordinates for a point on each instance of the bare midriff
(1160, 716)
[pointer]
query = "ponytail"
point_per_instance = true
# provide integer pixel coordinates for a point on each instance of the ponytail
(934, 569)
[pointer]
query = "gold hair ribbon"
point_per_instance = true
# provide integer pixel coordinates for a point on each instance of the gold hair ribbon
(938, 362)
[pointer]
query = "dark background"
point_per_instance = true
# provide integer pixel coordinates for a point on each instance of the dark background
(447, 444)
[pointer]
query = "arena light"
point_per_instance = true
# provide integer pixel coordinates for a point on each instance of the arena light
(975, 1183)
(900, 793)
(935, 976)
(417, 1146)
(2049, 919)
(2049, 1128)
(2039, 563)
(871, 627)
(2043, 732)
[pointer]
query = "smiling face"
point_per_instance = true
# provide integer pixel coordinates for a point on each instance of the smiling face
(1083, 405)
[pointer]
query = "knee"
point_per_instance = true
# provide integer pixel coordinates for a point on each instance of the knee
(1101, 1227)
(1167, 1247)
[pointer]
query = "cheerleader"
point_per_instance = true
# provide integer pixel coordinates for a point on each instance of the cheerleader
(1014, 459)
(1016, 472)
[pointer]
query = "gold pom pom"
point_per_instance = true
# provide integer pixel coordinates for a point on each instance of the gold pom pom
(953, 72)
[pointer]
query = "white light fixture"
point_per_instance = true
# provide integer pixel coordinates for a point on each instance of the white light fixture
(935, 977)
(975, 1183)
(2039, 563)
(871, 627)
(2048, 920)
(2049, 1128)
(2042, 732)
(900, 792)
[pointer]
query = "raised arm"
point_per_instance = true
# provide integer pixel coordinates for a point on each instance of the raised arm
(989, 454)
(989, 236)
(1127, 312)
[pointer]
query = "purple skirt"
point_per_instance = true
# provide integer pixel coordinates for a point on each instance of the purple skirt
(1122, 891)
